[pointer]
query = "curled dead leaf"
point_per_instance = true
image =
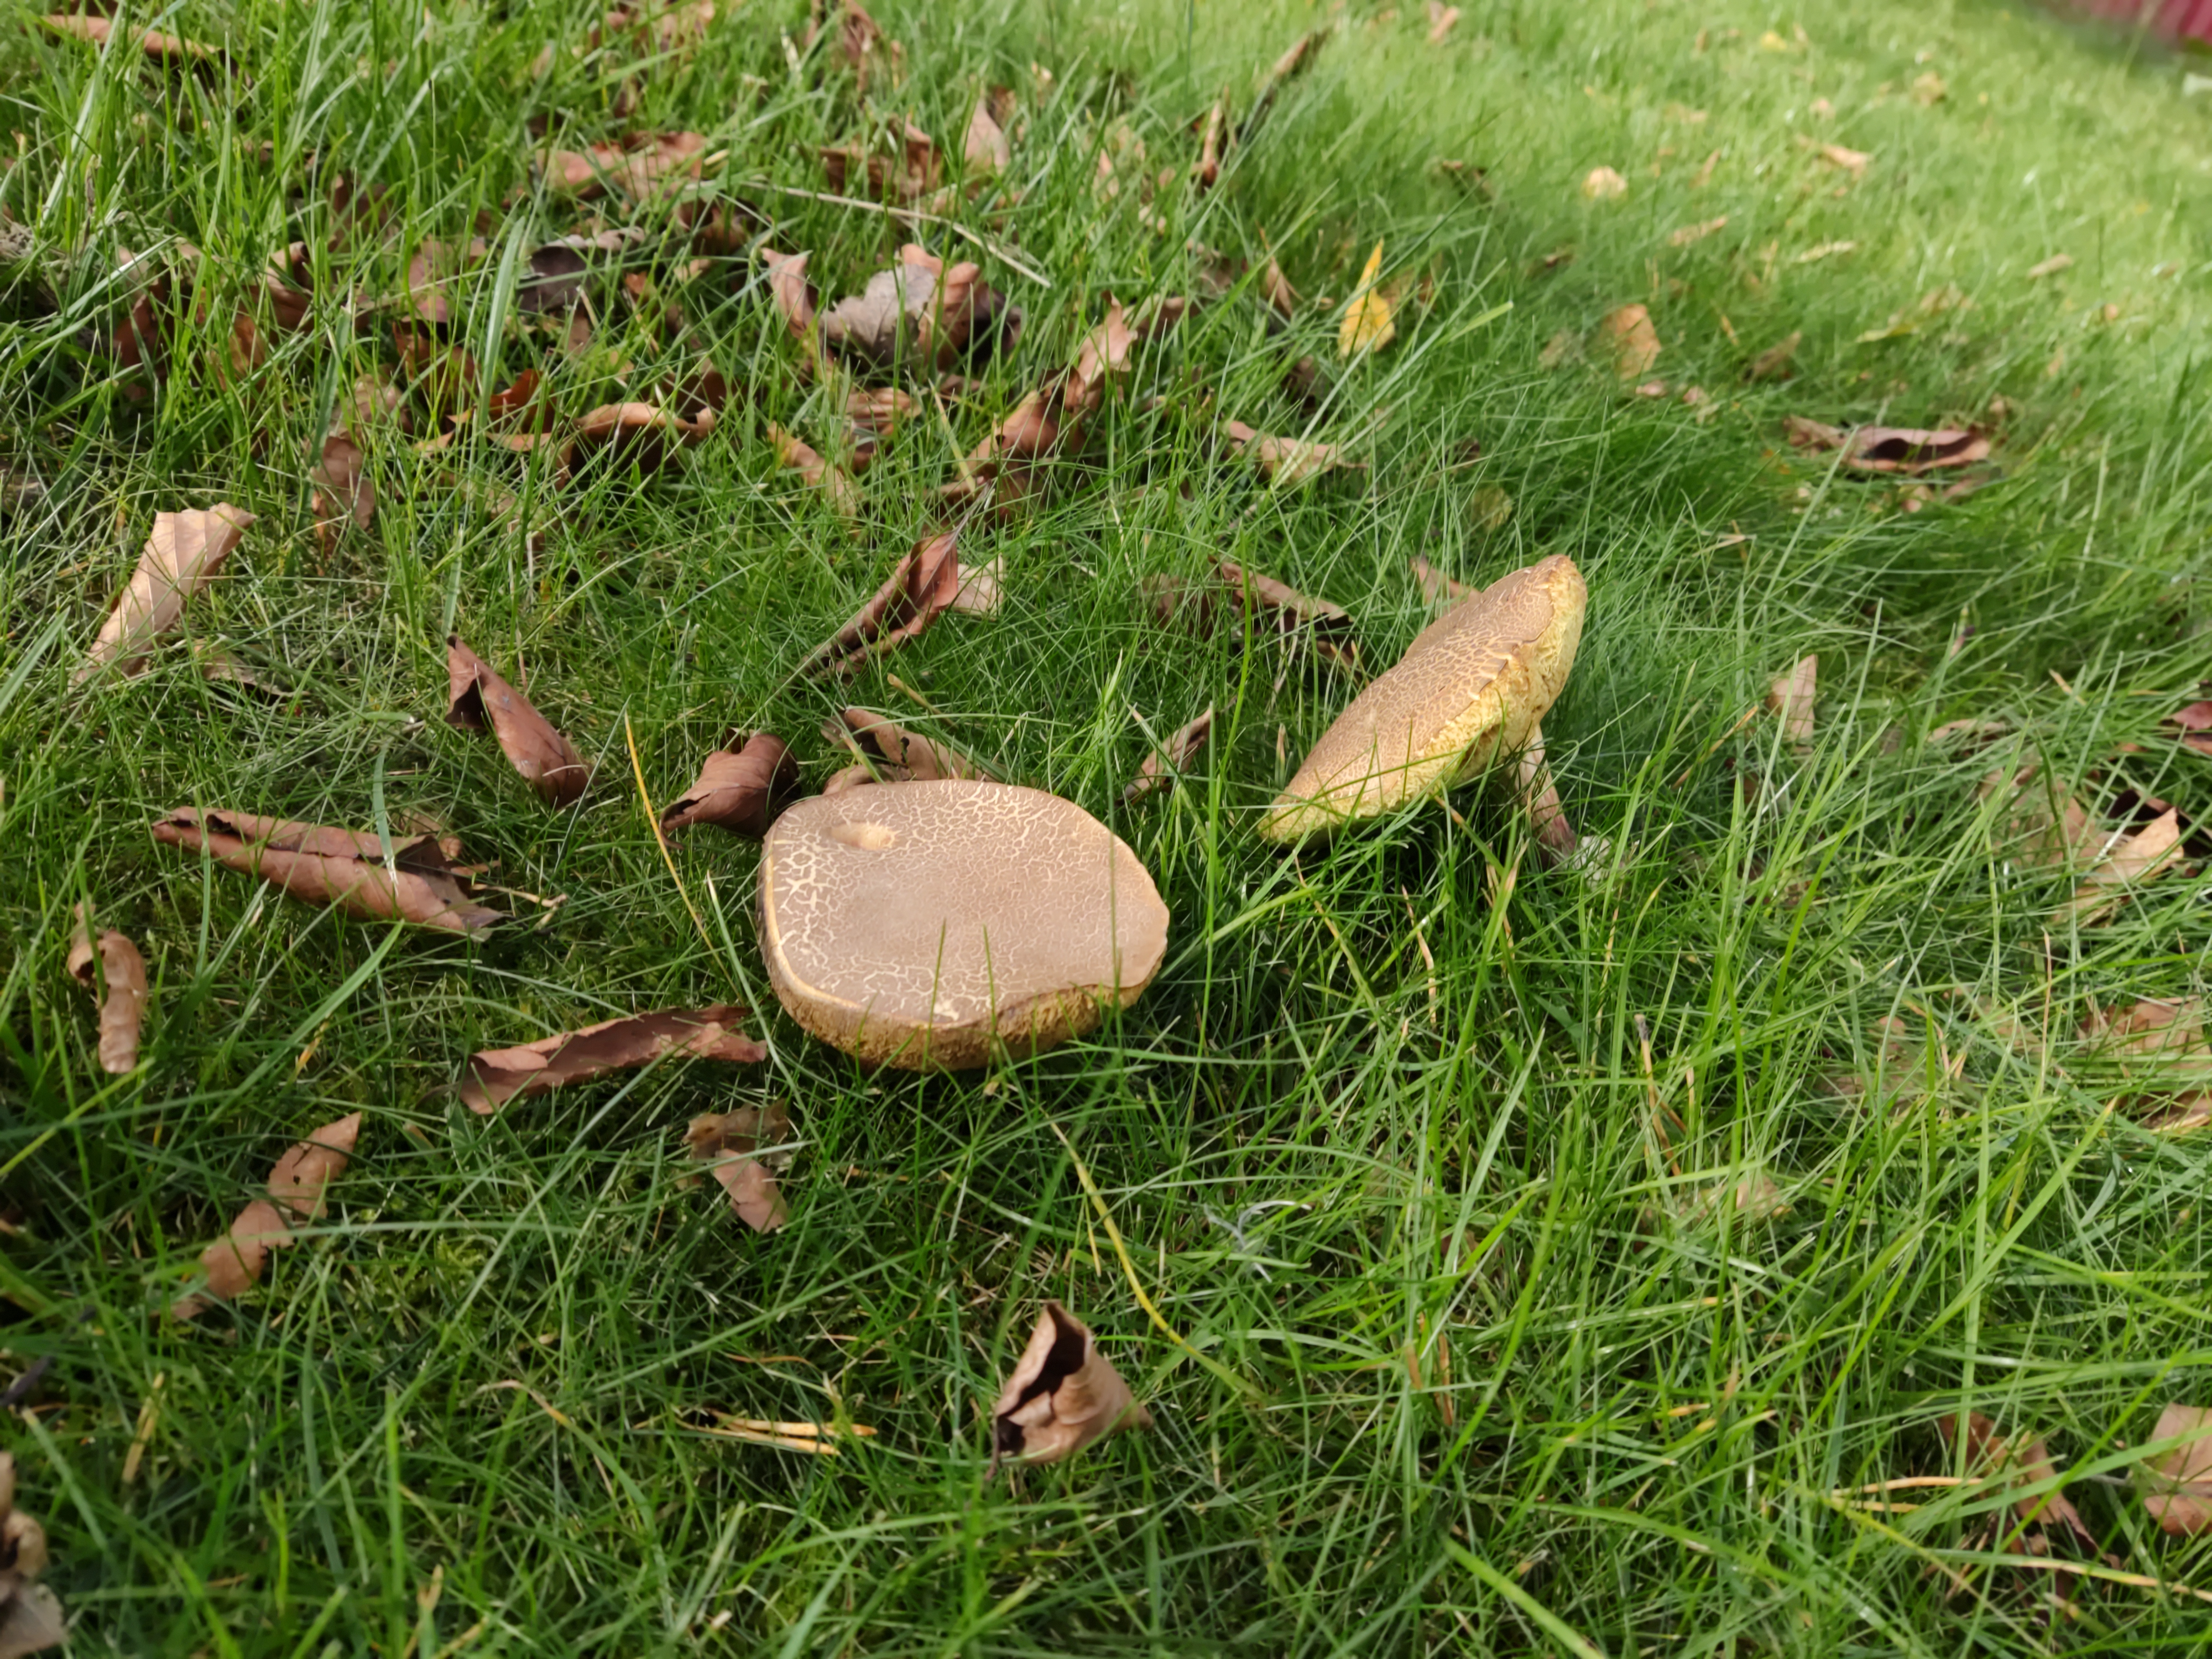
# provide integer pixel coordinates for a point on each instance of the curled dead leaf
(742, 789)
(905, 170)
(297, 1186)
(1370, 316)
(1165, 764)
(121, 985)
(2045, 831)
(183, 554)
(985, 147)
(1297, 616)
(837, 486)
(2010, 1467)
(162, 48)
(1062, 1396)
(495, 1076)
(478, 700)
(2178, 1485)
(1437, 587)
(1631, 340)
(1287, 463)
(908, 754)
(340, 867)
(918, 591)
(30, 1615)
(1791, 697)
(1773, 363)
(729, 1143)
(1891, 448)
(2133, 862)
(1604, 184)
(636, 433)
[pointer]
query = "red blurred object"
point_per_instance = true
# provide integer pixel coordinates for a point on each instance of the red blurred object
(2177, 18)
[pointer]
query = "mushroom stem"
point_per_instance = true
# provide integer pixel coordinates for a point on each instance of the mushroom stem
(1547, 816)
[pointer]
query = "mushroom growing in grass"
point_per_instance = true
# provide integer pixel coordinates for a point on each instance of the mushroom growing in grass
(1470, 689)
(935, 924)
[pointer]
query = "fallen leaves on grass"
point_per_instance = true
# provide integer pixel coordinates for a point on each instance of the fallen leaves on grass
(1936, 303)
(343, 487)
(1688, 234)
(2178, 1485)
(643, 166)
(1297, 616)
(2050, 267)
(1912, 450)
(1437, 587)
(30, 1615)
(1162, 766)
(478, 700)
(1287, 462)
(793, 293)
(2195, 725)
(183, 555)
(981, 592)
(1063, 1395)
(728, 1142)
(921, 311)
(162, 48)
(341, 867)
(1821, 250)
(863, 48)
(1631, 340)
(985, 147)
(1929, 89)
(1853, 161)
(121, 985)
(495, 1076)
(1370, 316)
(2133, 862)
(1791, 696)
(1773, 363)
(1440, 19)
(837, 486)
(908, 754)
(1213, 130)
(2009, 1466)
(2051, 832)
(2168, 1033)
(921, 587)
(912, 170)
(740, 789)
(638, 433)
(235, 1262)
(1604, 184)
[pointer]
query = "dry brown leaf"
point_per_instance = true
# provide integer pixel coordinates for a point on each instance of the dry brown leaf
(1853, 161)
(2051, 833)
(854, 777)
(633, 433)
(1891, 448)
(184, 555)
(1773, 363)
(2137, 860)
(1631, 340)
(1437, 587)
(1791, 696)
(919, 590)
(645, 165)
(121, 987)
(985, 147)
(1213, 133)
(922, 311)
(837, 486)
(2195, 724)
(864, 48)
(916, 169)
(1754, 1197)
(1165, 764)
(874, 416)
(1103, 358)
(1929, 89)
(2178, 1484)
(1604, 184)
(1440, 19)
(1062, 1396)
(343, 867)
(1368, 323)
(1287, 462)
(2168, 1032)
(30, 1617)
(1991, 1458)
(740, 789)
(1909, 320)
(1281, 297)
(1295, 615)
(235, 1262)
(981, 593)
(478, 700)
(162, 48)
(1688, 234)
(729, 1142)
(908, 754)
(495, 1076)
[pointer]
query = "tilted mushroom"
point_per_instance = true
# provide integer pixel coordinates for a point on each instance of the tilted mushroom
(1471, 688)
(931, 925)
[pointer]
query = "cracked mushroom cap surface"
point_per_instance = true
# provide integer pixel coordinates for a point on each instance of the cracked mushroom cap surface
(931, 925)
(1472, 686)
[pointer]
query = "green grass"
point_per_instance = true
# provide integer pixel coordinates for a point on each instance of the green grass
(482, 1384)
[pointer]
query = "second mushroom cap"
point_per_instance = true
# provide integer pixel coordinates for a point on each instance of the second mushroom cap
(1472, 686)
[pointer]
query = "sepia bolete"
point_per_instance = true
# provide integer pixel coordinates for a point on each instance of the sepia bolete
(1472, 687)
(929, 925)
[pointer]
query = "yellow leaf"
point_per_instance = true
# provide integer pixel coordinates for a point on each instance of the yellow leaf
(1367, 325)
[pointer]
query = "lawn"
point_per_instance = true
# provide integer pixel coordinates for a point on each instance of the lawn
(1558, 1260)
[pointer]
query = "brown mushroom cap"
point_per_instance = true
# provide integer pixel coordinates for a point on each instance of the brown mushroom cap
(1473, 686)
(926, 925)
